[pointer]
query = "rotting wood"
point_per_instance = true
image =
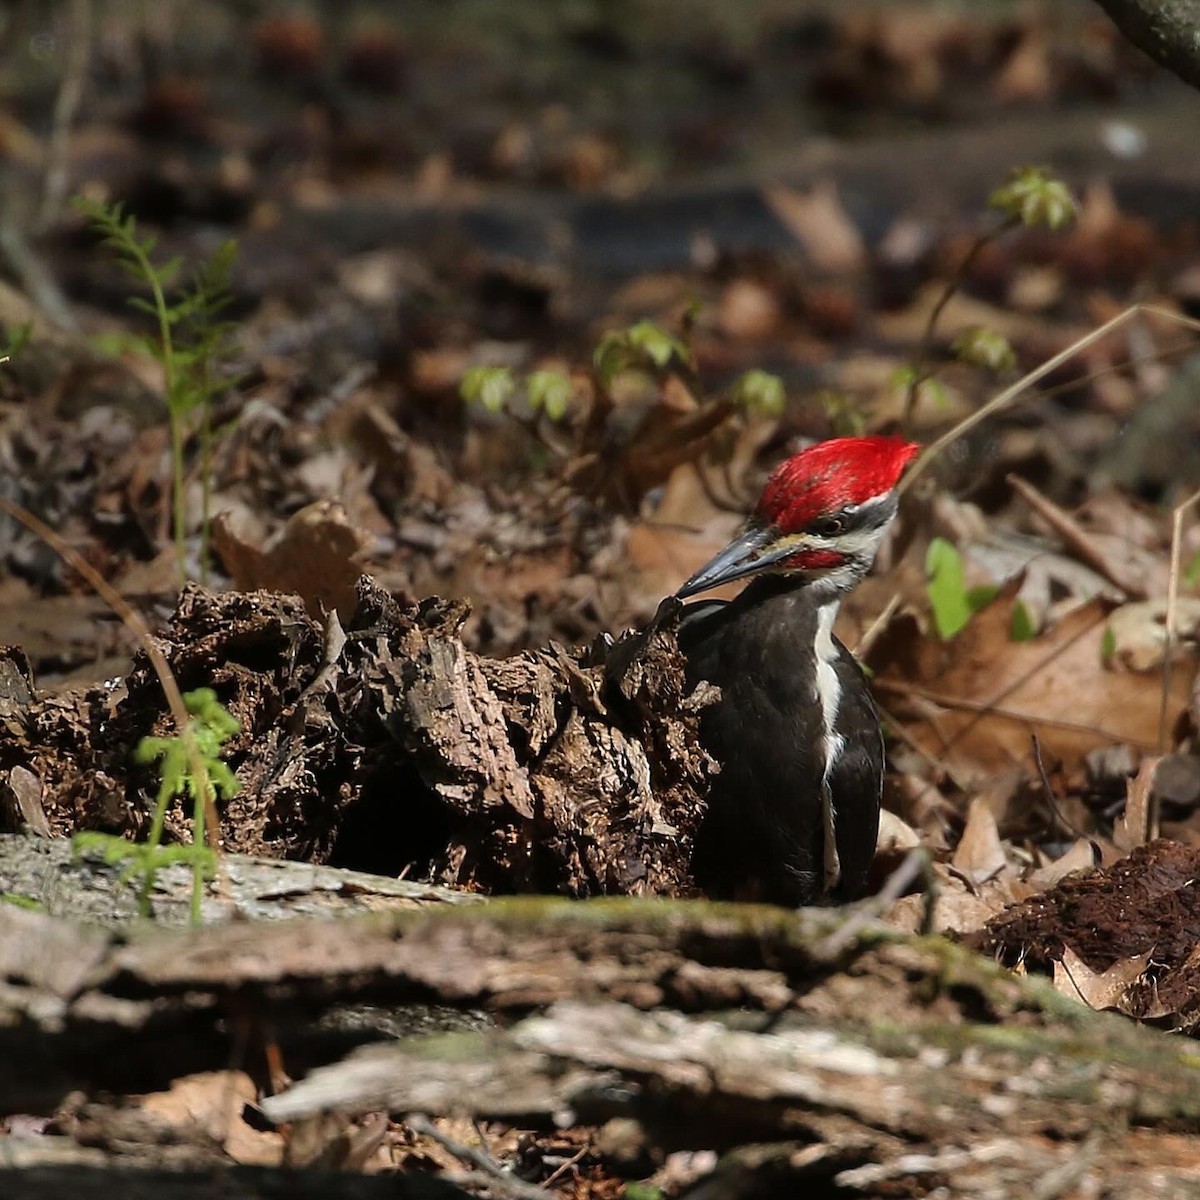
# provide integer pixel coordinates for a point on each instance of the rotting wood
(708, 1025)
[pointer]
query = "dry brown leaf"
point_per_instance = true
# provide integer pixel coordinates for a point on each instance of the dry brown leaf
(748, 310)
(895, 834)
(957, 908)
(1080, 857)
(1097, 989)
(1026, 76)
(210, 1105)
(318, 556)
(979, 854)
(973, 703)
(1138, 823)
(1139, 631)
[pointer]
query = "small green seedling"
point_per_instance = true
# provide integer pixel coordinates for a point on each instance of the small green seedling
(1030, 197)
(549, 392)
(980, 347)
(489, 387)
(210, 727)
(643, 346)
(760, 393)
(191, 344)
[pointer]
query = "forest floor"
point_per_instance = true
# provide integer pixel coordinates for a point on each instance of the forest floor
(413, 198)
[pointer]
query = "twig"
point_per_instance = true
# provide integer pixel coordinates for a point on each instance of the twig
(335, 643)
(916, 863)
(953, 285)
(1051, 798)
(1003, 399)
(137, 625)
(496, 1175)
(986, 708)
(876, 627)
(1172, 613)
(1076, 537)
(563, 1168)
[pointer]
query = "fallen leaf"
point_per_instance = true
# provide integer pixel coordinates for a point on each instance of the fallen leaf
(980, 854)
(973, 703)
(317, 555)
(212, 1104)
(1138, 823)
(1097, 989)
(817, 220)
(1080, 857)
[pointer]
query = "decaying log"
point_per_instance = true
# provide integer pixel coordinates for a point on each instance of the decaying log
(396, 750)
(696, 1025)
(46, 873)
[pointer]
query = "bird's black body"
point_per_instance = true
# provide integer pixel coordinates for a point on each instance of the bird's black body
(765, 834)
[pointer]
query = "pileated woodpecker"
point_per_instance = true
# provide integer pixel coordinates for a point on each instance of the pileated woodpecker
(794, 813)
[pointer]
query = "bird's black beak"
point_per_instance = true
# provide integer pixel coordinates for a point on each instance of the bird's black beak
(755, 549)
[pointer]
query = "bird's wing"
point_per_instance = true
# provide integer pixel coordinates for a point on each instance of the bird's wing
(856, 779)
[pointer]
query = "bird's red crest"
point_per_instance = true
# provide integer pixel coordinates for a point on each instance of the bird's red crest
(830, 475)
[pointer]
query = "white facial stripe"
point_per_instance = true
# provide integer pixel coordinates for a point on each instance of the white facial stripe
(854, 543)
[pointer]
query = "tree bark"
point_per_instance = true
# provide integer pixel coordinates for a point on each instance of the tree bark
(1166, 30)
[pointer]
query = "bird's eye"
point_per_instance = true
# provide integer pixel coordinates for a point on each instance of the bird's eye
(828, 527)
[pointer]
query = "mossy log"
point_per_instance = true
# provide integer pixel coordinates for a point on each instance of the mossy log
(672, 1024)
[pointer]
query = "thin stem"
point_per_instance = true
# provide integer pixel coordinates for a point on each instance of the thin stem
(920, 372)
(171, 387)
(206, 469)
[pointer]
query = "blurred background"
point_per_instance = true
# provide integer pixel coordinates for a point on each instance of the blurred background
(418, 191)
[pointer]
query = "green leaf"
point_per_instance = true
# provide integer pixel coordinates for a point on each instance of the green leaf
(1021, 627)
(658, 345)
(550, 392)
(643, 345)
(1032, 196)
(489, 387)
(981, 595)
(947, 588)
(1108, 646)
(760, 393)
(980, 347)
